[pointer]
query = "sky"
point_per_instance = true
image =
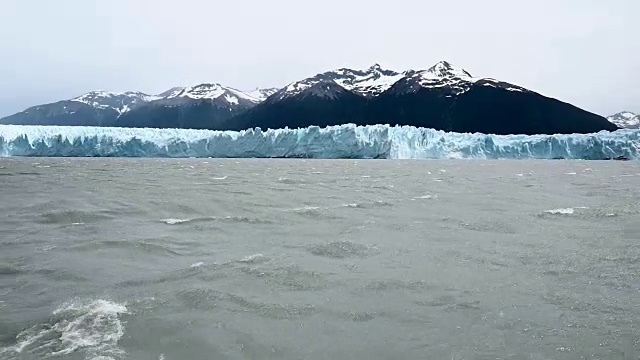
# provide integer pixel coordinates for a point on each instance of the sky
(585, 52)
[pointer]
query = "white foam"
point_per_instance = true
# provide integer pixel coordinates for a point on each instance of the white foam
(92, 327)
(220, 178)
(175, 221)
(428, 196)
(351, 205)
(303, 209)
(251, 258)
(197, 265)
(48, 247)
(562, 211)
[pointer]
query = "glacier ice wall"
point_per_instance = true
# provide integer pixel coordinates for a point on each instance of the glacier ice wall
(343, 141)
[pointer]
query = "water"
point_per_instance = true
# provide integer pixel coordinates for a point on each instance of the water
(319, 259)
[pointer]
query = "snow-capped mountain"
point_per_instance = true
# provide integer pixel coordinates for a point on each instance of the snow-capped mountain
(120, 102)
(202, 106)
(95, 108)
(444, 75)
(625, 120)
(375, 80)
(443, 97)
(103, 108)
(368, 83)
(211, 92)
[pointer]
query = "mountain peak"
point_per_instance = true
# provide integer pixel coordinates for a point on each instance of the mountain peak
(443, 75)
(625, 119)
(211, 86)
(93, 94)
(446, 69)
(200, 91)
(625, 114)
(364, 82)
(373, 70)
(117, 101)
(211, 91)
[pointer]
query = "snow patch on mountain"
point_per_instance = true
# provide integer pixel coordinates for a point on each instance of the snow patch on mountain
(100, 95)
(457, 80)
(325, 89)
(231, 99)
(368, 82)
(625, 119)
(124, 102)
(171, 92)
(444, 69)
(298, 87)
(261, 94)
(500, 84)
(212, 91)
(121, 102)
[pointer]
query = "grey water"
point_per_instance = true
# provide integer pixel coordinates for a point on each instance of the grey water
(318, 259)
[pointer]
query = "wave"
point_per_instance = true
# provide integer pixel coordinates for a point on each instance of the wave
(93, 328)
(228, 218)
(341, 141)
(252, 258)
(148, 245)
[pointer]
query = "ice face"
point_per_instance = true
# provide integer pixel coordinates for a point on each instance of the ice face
(343, 141)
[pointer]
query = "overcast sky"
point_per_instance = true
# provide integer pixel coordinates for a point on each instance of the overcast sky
(586, 52)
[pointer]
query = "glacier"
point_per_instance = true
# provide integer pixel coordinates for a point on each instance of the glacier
(333, 142)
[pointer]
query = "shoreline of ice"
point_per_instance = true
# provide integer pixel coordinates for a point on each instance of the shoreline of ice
(333, 142)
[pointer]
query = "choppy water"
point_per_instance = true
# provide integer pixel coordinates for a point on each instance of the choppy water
(315, 259)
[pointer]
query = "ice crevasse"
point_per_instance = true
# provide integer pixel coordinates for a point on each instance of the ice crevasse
(333, 142)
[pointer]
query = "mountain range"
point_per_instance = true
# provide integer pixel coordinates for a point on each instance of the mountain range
(442, 97)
